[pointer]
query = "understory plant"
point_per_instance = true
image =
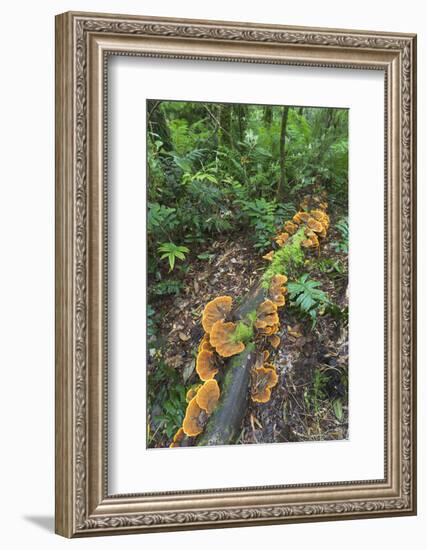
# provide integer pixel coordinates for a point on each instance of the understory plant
(307, 297)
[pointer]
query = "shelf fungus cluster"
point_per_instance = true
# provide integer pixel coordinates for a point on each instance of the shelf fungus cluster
(200, 408)
(314, 221)
(316, 225)
(263, 375)
(218, 342)
(224, 338)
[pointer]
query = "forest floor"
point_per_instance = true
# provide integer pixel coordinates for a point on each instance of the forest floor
(310, 400)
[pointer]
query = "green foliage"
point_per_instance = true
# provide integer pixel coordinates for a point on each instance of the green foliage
(338, 410)
(166, 287)
(161, 219)
(206, 256)
(214, 169)
(243, 333)
(251, 317)
(314, 395)
(318, 150)
(307, 297)
(329, 265)
(171, 252)
(342, 244)
(286, 259)
(261, 215)
(166, 397)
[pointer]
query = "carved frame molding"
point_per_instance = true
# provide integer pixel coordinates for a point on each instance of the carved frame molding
(83, 43)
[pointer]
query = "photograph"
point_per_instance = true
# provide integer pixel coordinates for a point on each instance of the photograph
(247, 273)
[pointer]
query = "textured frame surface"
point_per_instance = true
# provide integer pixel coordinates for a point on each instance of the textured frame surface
(83, 44)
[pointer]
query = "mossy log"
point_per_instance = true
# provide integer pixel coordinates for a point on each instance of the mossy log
(225, 423)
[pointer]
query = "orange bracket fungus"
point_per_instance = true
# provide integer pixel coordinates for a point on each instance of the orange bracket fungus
(274, 340)
(311, 241)
(194, 420)
(222, 339)
(301, 217)
(315, 225)
(277, 291)
(268, 256)
(290, 227)
(320, 216)
(205, 365)
(205, 344)
(268, 331)
(266, 315)
(282, 238)
(192, 393)
(263, 380)
(177, 438)
(216, 310)
(279, 280)
(208, 395)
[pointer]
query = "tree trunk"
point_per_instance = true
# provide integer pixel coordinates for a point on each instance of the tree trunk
(241, 114)
(281, 187)
(158, 124)
(225, 125)
(268, 115)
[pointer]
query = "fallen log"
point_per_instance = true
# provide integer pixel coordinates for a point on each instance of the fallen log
(244, 342)
(224, 425)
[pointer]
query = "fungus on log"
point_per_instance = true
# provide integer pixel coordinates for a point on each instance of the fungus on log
(321, 217)
(177, 438)
(301, 217)
(264, 378)
(268, 331)
(266, 315)
(224, 425)
(282, 238)
(290, 227)
(205, 365)
(268, 256)
(194, 420)
(208, 395)
(205, 344)
(222, 338)
(315, 225)
(311, 241)
(277, 291)
(192, 393)
(216, 310)
(274, 340)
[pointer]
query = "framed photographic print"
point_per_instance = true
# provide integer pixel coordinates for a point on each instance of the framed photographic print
(235, 274)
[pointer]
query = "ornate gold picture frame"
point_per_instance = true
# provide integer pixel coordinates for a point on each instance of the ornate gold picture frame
(84, 42)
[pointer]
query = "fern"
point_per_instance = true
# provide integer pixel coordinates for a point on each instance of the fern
(342, 244)
(306, 296)
(167, 287)
(161, 218)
